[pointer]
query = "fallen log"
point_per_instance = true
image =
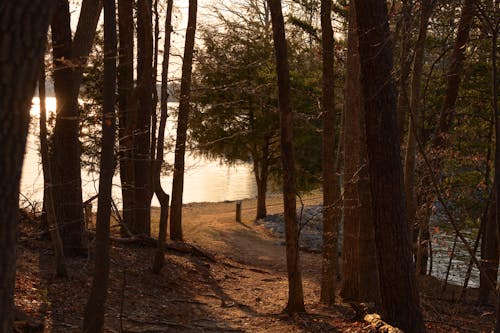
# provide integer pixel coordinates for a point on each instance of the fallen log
(380, 326)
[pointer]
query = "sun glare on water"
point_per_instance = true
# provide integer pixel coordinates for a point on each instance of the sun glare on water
(50, 103)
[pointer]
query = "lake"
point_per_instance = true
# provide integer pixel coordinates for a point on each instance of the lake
(205, 180)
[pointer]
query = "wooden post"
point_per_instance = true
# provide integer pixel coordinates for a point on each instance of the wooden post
(238, 211)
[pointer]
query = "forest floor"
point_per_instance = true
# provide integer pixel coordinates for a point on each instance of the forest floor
(236, 283)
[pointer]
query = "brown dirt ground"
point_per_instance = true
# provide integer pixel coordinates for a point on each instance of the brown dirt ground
(243, 290)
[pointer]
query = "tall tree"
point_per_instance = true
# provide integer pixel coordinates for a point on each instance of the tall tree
(126, 107)
(495, 28)
(23, 35)
(414, 115)
(94, 312)
(440, 140)
(397, 281)
(331, 189)
(489, 254)
(295, 292)
(69, 57)
(404, 63)
(182, 123)
(454, 71)
(48, 194)
(141, 130)
(163, 197)
(234, 97)
(360, 282)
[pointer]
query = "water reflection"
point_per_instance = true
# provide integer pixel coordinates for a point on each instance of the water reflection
(205, 181)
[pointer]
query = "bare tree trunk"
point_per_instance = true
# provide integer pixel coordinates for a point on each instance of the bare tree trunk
(360, 282)
(182, 124)
(397, 281)
(440, 140)
(494, 90)
(453, 75)
(94, 312)
(404, 65)
(66, 145)
(142, 131)
(125, 114)
(66, 168)
(415, 112)
(154, 108)
(261, 171)
(19, 69)
(163, 197)
(489, 254)
(331, 189)
(49, 204)
(295, 293)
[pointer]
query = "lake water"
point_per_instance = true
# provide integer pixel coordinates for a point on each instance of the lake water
(205, 181)
(442, 250)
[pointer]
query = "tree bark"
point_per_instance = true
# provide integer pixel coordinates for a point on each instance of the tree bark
(94, 312)
(142, 132)
(20, 60)
(261, 172)
(163, 197)
(295, 292)
(496, 110)
(69, 58)
(404, 65)
(489, 254)
(182, 123)
(331, 189)
(360, 282)
(397, 281)
(125, 107)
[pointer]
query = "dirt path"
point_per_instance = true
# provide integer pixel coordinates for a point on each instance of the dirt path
(213, 226)
(250, 286)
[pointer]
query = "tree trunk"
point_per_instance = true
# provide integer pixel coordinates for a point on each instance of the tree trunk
(66, 167)
(489, 254)
(125, 107)
(496, 110)
(19, 68)
(154, 107)
(295, 293)
(453, 75)
(49, 205)
(163, 197)
(404, 65)
(261, 196)
(66, 145)
(182, 124)
(142, 132)
(331, 189)
(360, 282)
(415, 112)
(94, 312)
(440, 140)
(261, 171)
(397, 281)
